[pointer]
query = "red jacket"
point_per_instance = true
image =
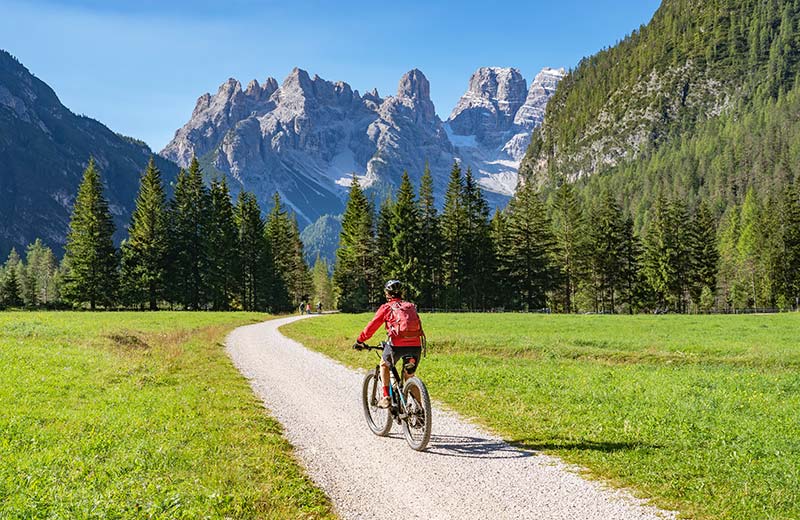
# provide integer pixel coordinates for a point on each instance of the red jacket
(382, 318)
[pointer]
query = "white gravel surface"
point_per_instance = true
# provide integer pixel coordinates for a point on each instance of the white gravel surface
(465, 473)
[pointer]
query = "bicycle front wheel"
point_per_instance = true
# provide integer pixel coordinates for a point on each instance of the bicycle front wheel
(379, 420)
(417, 425)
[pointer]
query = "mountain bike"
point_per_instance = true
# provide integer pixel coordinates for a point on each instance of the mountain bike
(410, 405)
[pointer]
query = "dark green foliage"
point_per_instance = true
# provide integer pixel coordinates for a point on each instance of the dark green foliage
(571, 247)
(430, 244)
(144, 253)
(90, 256)
(704, 252)
(355, 274)
(256, 272)
(10, 287)
(293, 277)
(222, 248)
(404, 232)
(531, 271)
(478, 266)
(453, 231)
(189, 221)
(383, 238)
(502, 261)
(605, 256)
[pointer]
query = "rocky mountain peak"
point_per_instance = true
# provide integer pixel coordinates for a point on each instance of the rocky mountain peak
(531, 113)
(414, 86)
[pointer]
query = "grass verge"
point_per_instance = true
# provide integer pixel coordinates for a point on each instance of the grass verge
(138, 415)
(698, 413)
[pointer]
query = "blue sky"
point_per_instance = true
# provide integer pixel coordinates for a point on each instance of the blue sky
(139, 66)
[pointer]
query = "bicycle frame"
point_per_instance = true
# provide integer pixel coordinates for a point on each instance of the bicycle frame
(398, 401)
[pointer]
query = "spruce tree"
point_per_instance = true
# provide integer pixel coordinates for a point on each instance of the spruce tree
(90, 253)
(532, 273)
(189, 220)
(403, 261)
(221, 243)
(453, 230)
(571, 246)
(323, 284)
(355, 273)
(256, 271)
(430, 244)
(748, 248)
(40, 275)
(605, 256)
(703, 251)
(12, 296)
(667, 259)
(287, 250)
(790, 213)
(478, 257)
(502, 261)
(383, 239)
(144, 253)
(727, 238)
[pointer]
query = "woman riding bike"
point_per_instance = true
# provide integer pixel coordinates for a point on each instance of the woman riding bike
(405, 335)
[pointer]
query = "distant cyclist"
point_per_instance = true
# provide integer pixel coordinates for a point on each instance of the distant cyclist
(405, 334)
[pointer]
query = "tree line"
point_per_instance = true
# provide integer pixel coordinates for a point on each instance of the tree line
(196, 251)
(564, 253)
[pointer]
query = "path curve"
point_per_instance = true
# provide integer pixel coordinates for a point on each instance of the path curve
(466, 472)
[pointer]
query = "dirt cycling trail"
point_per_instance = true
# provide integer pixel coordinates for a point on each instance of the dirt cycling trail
(465, 473)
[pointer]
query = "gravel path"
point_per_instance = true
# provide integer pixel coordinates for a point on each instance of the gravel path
(466, 472)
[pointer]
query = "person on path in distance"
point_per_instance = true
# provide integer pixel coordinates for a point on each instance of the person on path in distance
(319, 307)
(405, 335)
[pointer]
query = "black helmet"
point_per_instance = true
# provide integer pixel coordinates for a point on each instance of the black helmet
(393, 287)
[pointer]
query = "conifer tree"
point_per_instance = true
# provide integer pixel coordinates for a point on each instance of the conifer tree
(403, 261)
(605, 242)
(453, 230)
(704, 252)
(570, 247)
(301, 283)
(11, 289)
(667, 255)
(39, 287)
(222, 242)
(280, 235)
(255, 260)
(632, 285)
(748, 248)
(144, 252)
(790, 275)
(429, 244)
(532, 272)
(478, 257)
(727, 238)
(355, 274)
(323, 284)
(90, 253)
(501, 248)
(189, 221)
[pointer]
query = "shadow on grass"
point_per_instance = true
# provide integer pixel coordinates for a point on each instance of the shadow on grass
(580, 445)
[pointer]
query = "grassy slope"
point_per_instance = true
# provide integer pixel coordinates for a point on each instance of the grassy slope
(138, 415)
(699, 413)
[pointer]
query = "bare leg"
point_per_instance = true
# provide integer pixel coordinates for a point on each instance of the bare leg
(385, 373)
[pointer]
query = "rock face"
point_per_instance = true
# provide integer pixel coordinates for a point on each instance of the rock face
(307, 137)
(44, 149)
(492, 124)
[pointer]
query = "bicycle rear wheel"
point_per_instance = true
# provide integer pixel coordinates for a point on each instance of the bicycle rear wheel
(379, 420)
(417, 425)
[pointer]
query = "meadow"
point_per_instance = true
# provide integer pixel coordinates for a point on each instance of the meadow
(138, 415)
(698, 413)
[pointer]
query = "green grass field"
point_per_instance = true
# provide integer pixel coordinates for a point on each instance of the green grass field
(701, 414)
(138, 415)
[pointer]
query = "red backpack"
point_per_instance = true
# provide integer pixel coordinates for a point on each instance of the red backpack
(404, 321)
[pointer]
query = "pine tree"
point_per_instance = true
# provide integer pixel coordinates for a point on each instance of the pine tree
(39, 275)
(189, 221)
(90, 253)
(221, 243)
(355, 274)
(453, 230)
(667, 256)
(605, 255)
(279, 234)
(703, 251)
(632, 285)
(323, 284)
(430, 242)
(727, 238)
(144, 253)
(301, 282)
(256, 270)
(532, 273)
(11, 289)
(571, 247)
(502, 261)
(403, 261)
(478, 257)
(790, 212)
(748, 247)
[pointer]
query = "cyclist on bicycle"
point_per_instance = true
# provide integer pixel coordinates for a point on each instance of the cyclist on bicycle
(405, 335)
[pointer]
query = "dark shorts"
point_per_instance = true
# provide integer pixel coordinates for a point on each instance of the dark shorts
(401, 353)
